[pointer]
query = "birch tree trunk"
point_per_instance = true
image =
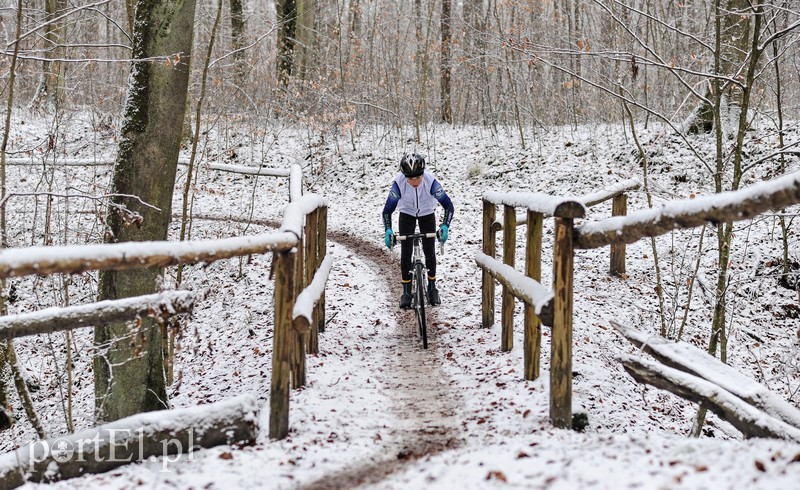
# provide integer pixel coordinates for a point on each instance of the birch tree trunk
(129, 366)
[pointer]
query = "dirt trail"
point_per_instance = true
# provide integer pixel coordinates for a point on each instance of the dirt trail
(423, 413)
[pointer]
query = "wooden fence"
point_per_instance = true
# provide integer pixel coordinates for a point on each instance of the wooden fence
(106, 162)
(554, 308)
(300, 271)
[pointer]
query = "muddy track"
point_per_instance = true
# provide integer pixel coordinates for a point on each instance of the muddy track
(423, 411)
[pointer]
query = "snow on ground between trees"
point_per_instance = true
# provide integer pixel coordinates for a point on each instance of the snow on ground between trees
(379, 410)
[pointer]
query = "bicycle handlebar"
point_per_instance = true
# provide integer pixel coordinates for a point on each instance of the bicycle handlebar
(415, 235)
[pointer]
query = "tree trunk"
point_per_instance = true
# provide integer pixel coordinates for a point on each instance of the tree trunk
(6, 419)
(22, 389)
(130, 9)
(419, 59)
(51, 89)
(446, 109)
(237, 39)
(129, 367)
(306, 15)
(785, 274)
(286, 11)
(733, 47)
(355, 18)
(6, 413)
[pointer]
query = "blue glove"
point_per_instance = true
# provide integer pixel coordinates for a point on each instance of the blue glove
(443, 233)
(389, 240)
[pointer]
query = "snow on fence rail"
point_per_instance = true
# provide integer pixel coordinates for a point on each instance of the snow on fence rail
(531, 292)
(616, 231)
(718, 208)
(49, 320)
(72, 259)
(105, 162)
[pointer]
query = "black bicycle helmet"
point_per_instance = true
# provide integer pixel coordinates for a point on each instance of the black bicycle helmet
(412, 165)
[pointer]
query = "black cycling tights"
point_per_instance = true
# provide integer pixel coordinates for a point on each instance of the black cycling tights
(407, 226)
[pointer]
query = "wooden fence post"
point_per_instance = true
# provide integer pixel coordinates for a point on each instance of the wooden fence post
(322, 250)
(561, 339)
(533, 269)
(283, 269)
(509, 250)
(489, 248)
(619, 207)
(312, 264)
(298, 354)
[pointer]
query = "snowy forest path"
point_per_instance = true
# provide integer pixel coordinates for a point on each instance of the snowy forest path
(421, 415)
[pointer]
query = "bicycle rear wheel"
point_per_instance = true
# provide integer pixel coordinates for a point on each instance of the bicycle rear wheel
(420, 294)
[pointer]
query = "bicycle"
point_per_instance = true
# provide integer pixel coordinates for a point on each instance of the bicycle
(419, 281)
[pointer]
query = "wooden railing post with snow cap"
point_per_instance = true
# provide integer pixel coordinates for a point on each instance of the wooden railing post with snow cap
(283, 269)
(561, 341)
(312, 264)
(299, 336)
(619, 207)
(322, 250)
(533, 269)
(509, 251)
(489, 248)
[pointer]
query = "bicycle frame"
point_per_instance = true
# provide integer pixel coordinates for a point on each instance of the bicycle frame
(419, 281)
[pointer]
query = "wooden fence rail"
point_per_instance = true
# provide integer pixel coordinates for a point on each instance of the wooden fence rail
(56, 319)
(718, 208)
(616, 231)
(72, 259)
(105, 162)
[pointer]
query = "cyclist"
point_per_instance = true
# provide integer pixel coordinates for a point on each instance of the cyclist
(416, 192)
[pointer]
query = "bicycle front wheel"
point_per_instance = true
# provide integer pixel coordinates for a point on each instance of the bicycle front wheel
(420, 286)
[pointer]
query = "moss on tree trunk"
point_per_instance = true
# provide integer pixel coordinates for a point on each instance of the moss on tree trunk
(129, 371)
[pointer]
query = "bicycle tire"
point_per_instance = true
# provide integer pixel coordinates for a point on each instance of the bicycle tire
(420, 290)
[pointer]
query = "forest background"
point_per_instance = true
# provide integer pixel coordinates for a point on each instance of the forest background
(336, 69)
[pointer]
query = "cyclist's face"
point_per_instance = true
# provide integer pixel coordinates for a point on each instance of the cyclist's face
(414, 181)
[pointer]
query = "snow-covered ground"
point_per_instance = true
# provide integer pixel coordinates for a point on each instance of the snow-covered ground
(380, 411)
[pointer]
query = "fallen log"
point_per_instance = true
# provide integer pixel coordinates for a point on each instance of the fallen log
(690, 359)
(163, 433)
(751, 421)
(96, 314)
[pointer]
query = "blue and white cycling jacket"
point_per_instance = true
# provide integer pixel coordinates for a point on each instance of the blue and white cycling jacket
(417, 202)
